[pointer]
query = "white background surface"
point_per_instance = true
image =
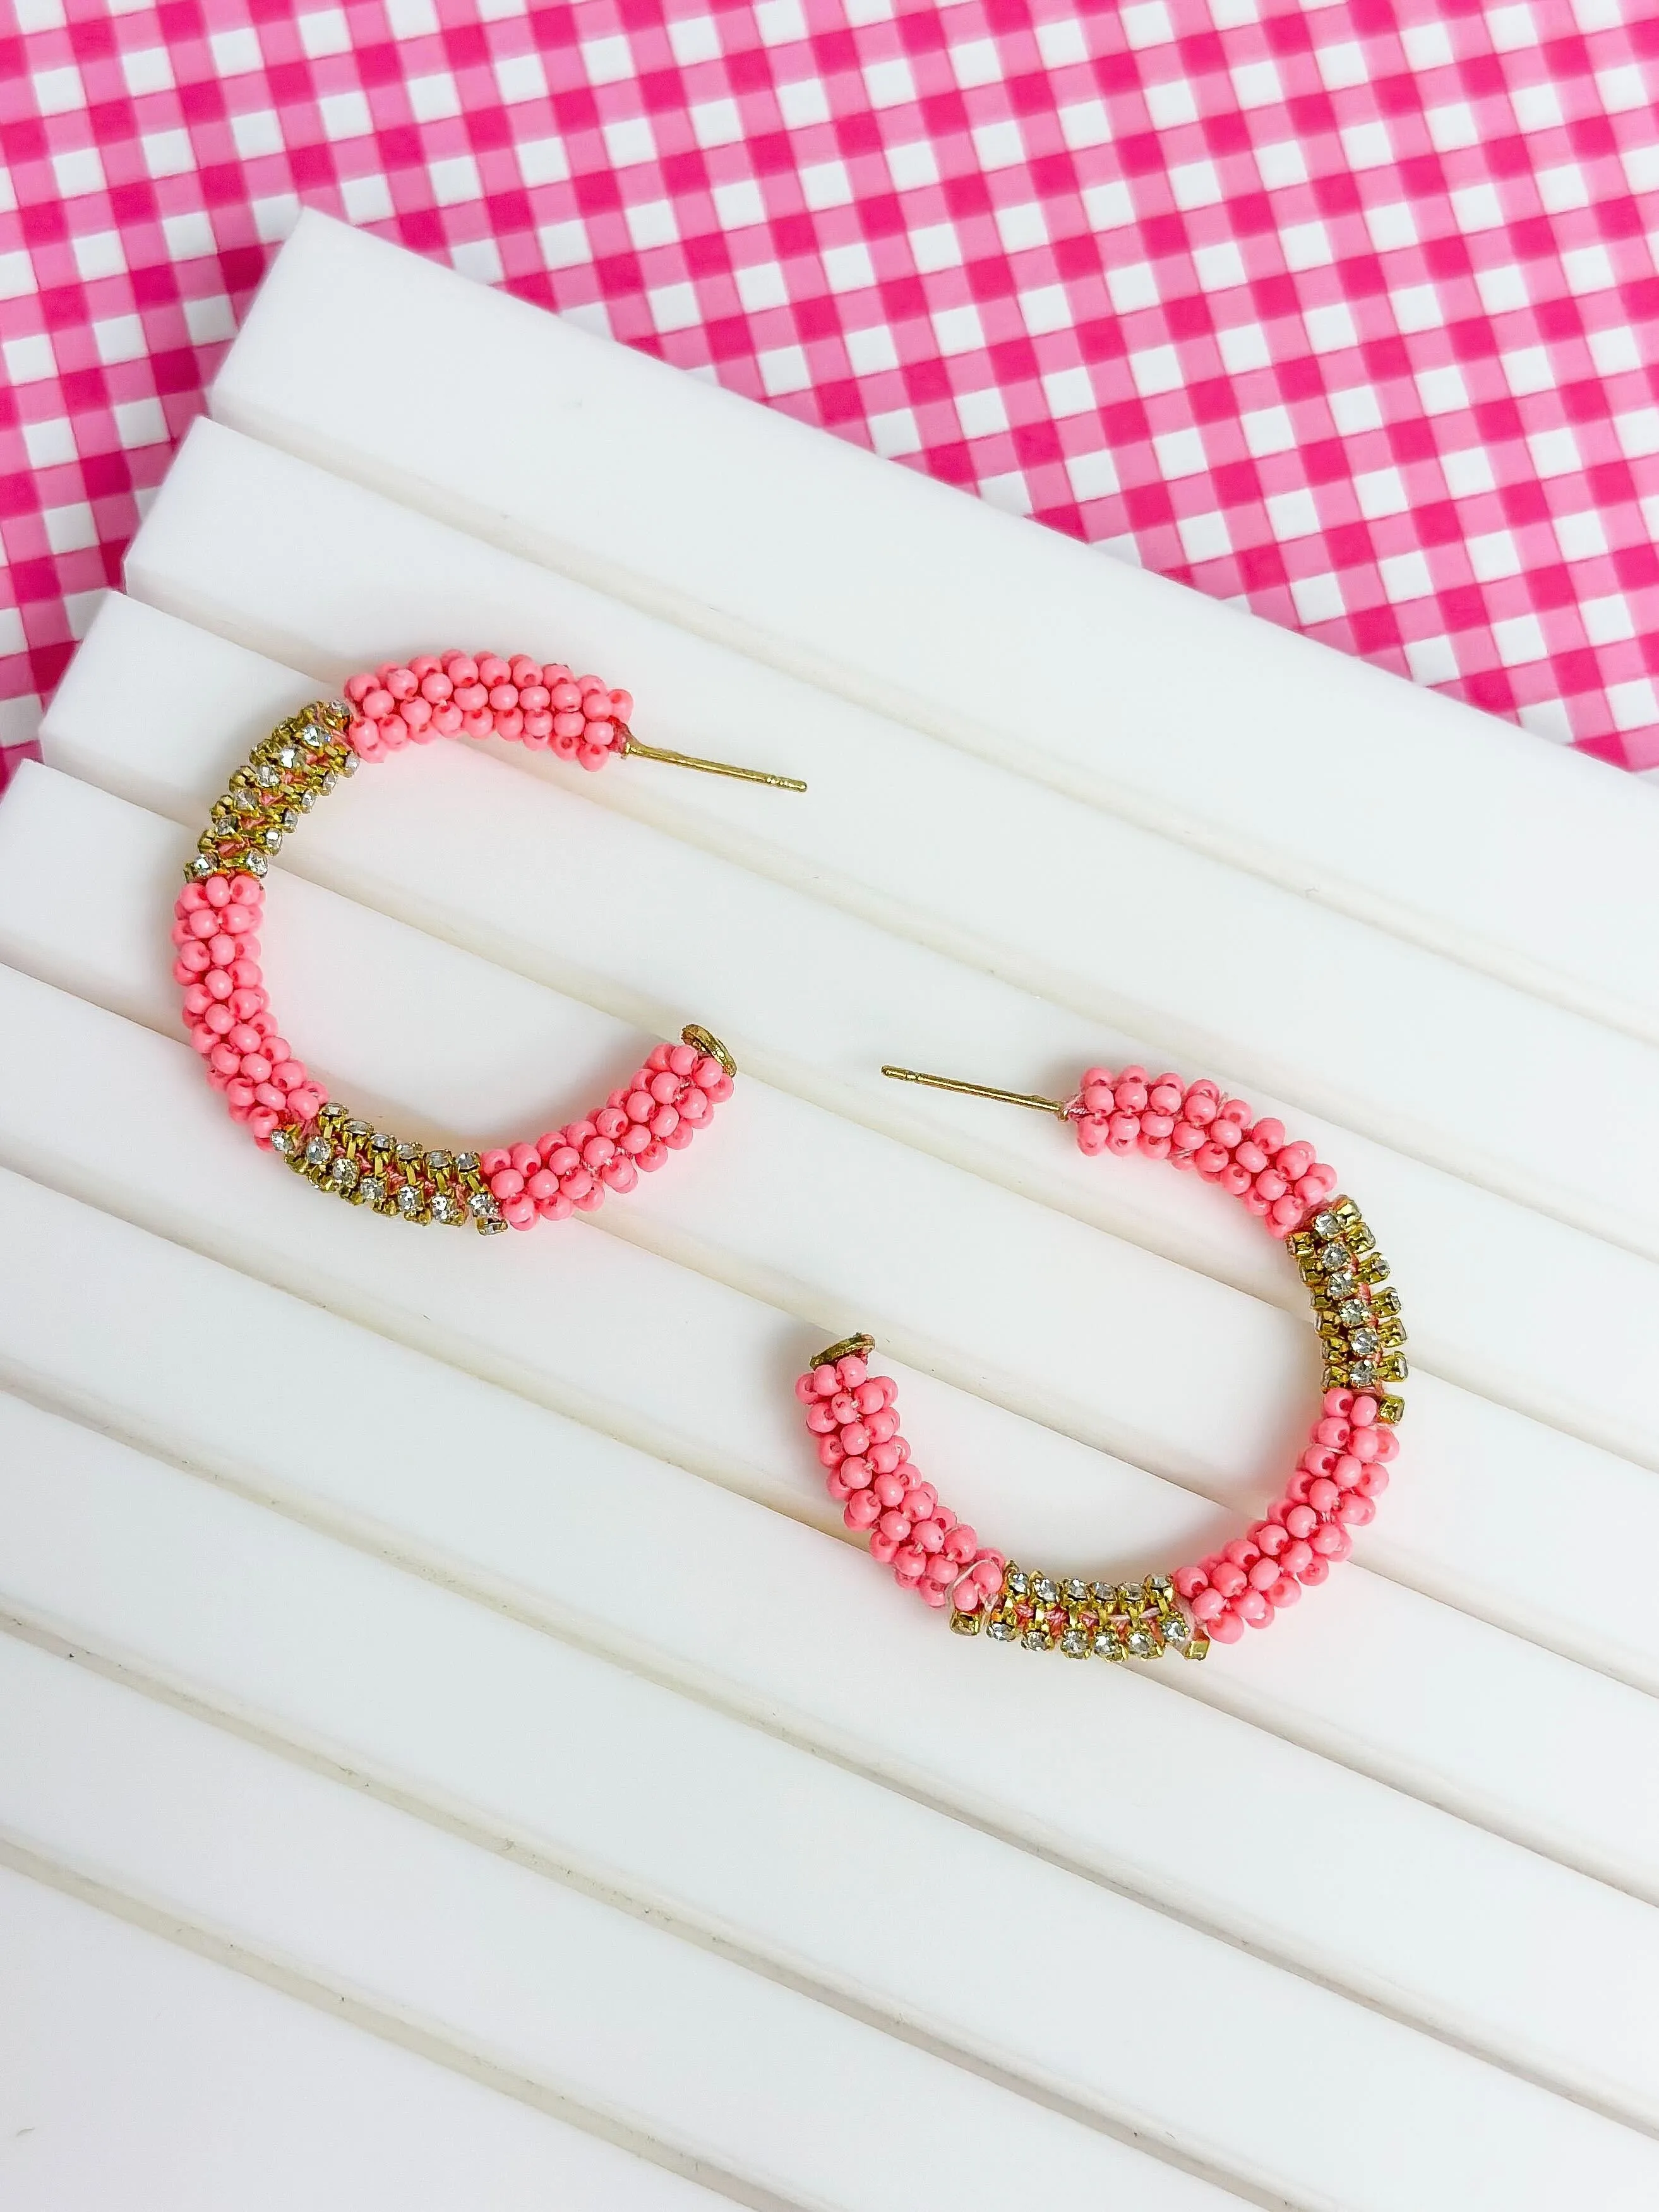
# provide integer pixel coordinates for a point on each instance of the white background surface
(445, 1753)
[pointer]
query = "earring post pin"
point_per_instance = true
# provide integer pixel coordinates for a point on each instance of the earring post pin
(631, 744)
(980, 1090)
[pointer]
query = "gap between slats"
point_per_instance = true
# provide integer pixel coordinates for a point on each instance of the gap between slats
(134, 2071)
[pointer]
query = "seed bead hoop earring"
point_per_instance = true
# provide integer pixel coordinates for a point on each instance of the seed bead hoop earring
(1336, 1482)
(227, 1012)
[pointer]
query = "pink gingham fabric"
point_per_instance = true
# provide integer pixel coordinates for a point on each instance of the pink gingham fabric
(1346, 312)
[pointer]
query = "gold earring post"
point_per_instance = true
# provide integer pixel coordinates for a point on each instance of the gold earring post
(631, 744)
(981, 1090)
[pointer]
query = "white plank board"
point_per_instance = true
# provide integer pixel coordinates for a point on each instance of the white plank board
(1306, 765)
(571, 1597)
(136, 2073)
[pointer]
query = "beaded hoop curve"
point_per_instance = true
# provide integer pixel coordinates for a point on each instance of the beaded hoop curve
(226, 1011)
(852, 1414)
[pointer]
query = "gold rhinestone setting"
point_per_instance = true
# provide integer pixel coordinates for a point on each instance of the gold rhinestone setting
(302, 760)
(1356, 1311)
(1085, 1619)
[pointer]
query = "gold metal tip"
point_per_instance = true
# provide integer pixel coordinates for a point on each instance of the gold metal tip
(631, 744)
(706, 1041)
(850, 1347)
(981, 1090)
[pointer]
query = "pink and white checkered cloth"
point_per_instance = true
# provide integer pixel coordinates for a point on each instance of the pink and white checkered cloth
(1346, 311)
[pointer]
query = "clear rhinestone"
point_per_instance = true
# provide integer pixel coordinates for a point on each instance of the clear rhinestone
(1334, 1257)
(330, 779)
(481, 1206)
(1140, 1643)
(307, 800)
(267, 774)
(1075, 1644)
(317, 1152)
(382, 1142)
(1162, 1584)
(1326, 1224)
(1106, 1645)
(1362, 1375)
(281, 1142)
(491, 1225)
(408, 1151)
(201, 865)
(257, 864)
(1339, 1285)
(1076, 1591)
(1175, 1630)
(286, 756)
(999, 1631)
(1102, 1593)
(445, 1209)
(438, 1162)
(1037, 1640)
(342, 1172)
(1017, 1582)
(370, 1190)
(409, 1199)
(466, 1161)
(1363, 1342)
(1046, 1591)
(1352, 1312)
(357, 1128)
(271, 840)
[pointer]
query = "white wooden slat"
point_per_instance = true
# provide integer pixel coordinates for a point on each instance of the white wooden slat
(157, 710)
(135, 2074)
(699, 1822)
(1476, 1517)
(658, 2036)
(1379, 799)
(1415, 1800)
(1480, 1941)
(1383, 1035)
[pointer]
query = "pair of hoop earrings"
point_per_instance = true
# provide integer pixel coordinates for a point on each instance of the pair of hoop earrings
(850, 1412)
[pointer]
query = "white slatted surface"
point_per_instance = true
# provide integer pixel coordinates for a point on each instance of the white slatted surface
(380, 1556)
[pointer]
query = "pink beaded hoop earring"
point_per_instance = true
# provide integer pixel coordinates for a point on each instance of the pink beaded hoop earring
(1345, 1470)
(227, 1012)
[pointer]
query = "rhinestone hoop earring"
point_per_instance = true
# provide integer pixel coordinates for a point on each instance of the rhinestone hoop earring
(226, 1011)
(851, 1413)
